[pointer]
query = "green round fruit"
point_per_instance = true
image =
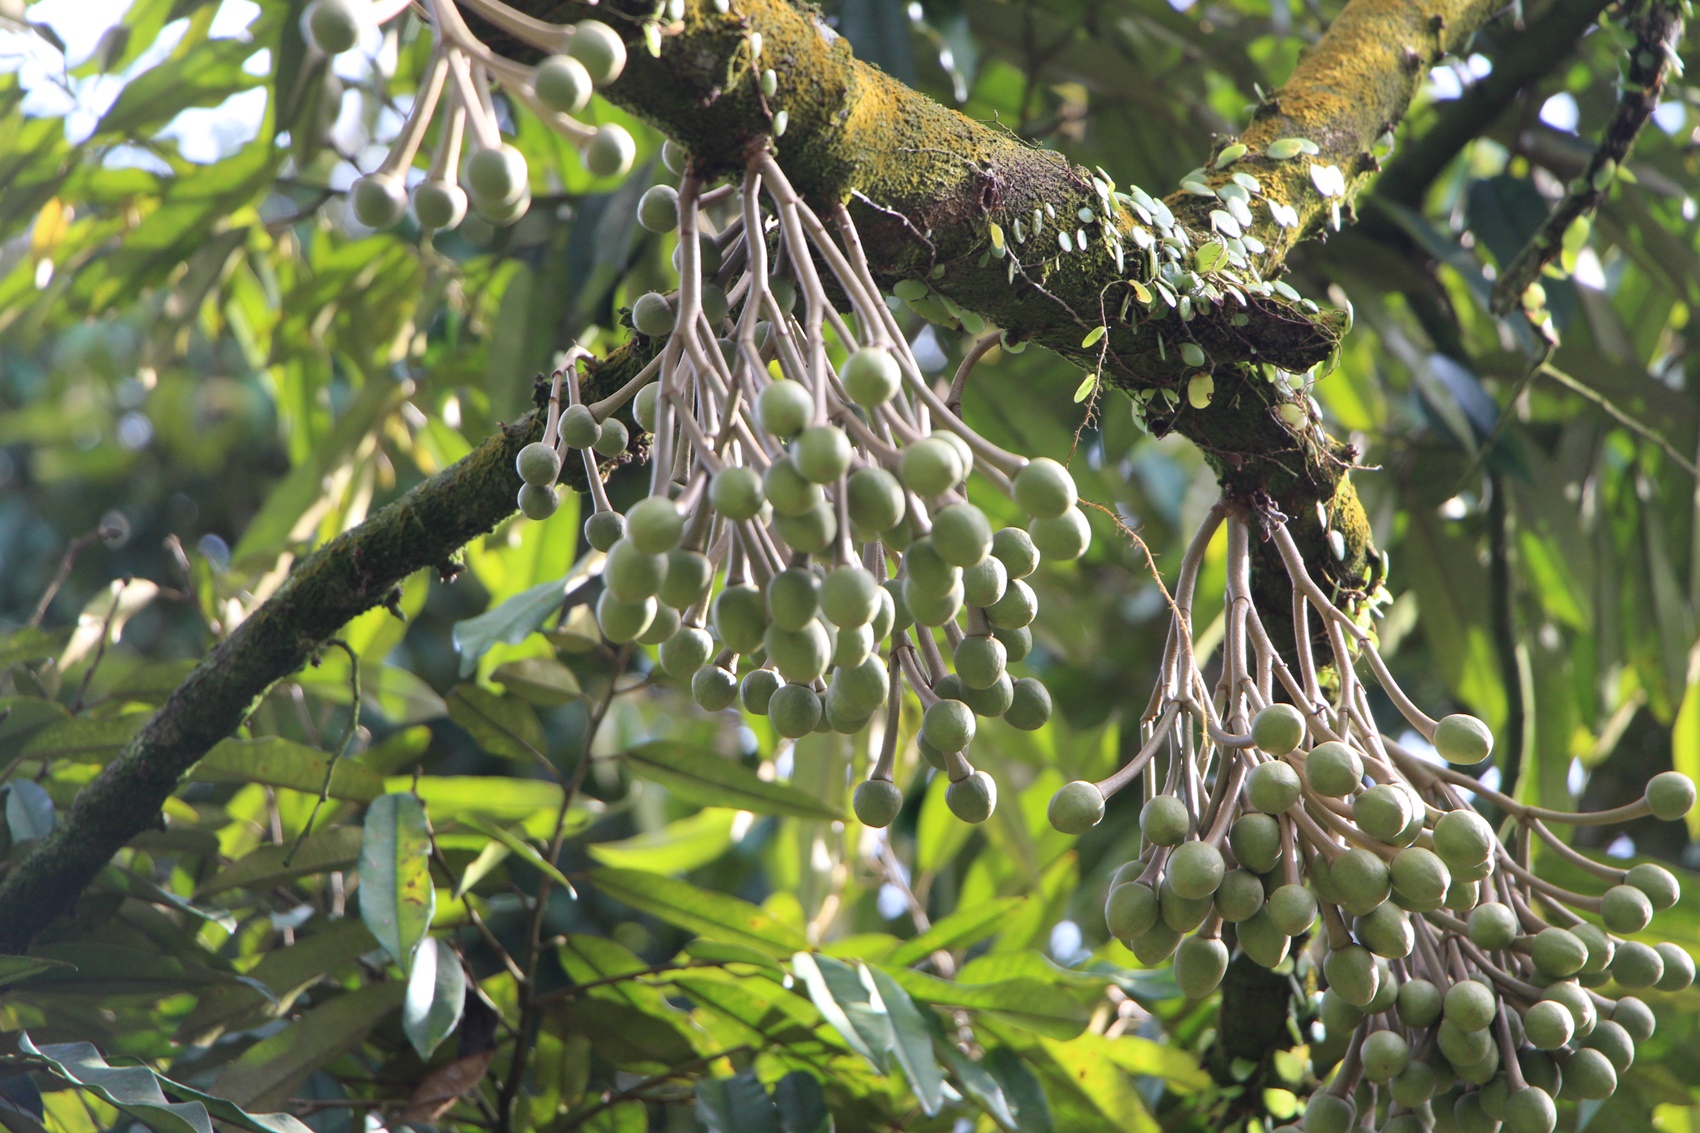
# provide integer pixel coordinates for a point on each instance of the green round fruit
(1420, 1003)
(930, 467)
(849, 596)
(1679, 967)
(1464, 1048)
(801, 656)
(1240, 896)
(1273, 787)
(1333, 769)
(600, 48)
(1256, 842)
(1076, 807)
(1670, 795)
(871, 376)
(579, 427)
(861, 688)
(714, 688)
(962, 535)
(1386, 990)
(1261, 941)
(1589, 1076)
(604, 528)
(334, 26)
(686, 651)
(1329, 1113)
(852, 646)
(1200, 963)
(948, 725)
(1130, 910)
(979, 661)
(1530, 1110)
(1579, 1003)
(1382, 811)
(563, 85)
(1413, 1086)
(1292, 909)
(537, 501)
(1463, 740)
(1030, 705)
(783, 408)
(1014, 548)
(538, 464)
(621, 622)
(788, 492)
(784, 292)
(1625, 909)
(1463, 839)
(632, 574)
(1470, 1006)
(984, 583)
(658, 208)
(795, 710)
(931, 609)
(1611, 1040)
(379, 200)
(1044, 489)
(740, 618)
(1183, 914)
(1195, 870)
(1017, 643)
(793, 598)
(994, 700)
(1016, 609)
(653, 316)
(1548, 1025)
(688, 576)
(756, 690)
(877, 802)
(1635, 1017)
(1351, 972)
(1164, 820)
(1557, 953)
(1064, 537)
(1361, 880)
(1420, 879)
(610, 152)
(972, 799)
(1462, 896)
(1278, 729)
(654, 525)
(1493, 926)
(1599, 944)
(439, 204)
(496, 176)
(885, 614)
(1657, 882)
(1385, 1055)
(1156, 945)
(1386, 931)
(821, 453)
(876, 500)
(663, 626)
(612, 440)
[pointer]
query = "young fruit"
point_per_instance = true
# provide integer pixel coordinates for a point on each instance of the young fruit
(1637, 966)
(1256, 842)
(1240, 896)
(1273, 787)
(1016, 609)
(877, 802)
(931, 466)
(579, 427)
(1463, 839)
(1200, 963)
(654, 525)
(632, 574)
(1382, 811)
(439, 204)
(600, 49)
(1420, 880)
(610, 152)
(1333, 769)
(1470, 1006)
(662, 626)
(334, 26)
(1420, 1003)
(379, 199)
(658, 208)
(1030, 705)
(688, 576)
(1385, 1055)
(538, 464)
(984, 583)
(849, 596)
(1195, 870)
(740, 618)
(685, 652)
(799, 655)
(1278, 729)
(1670, 795)
(783, 408)
(972, 799)
(1351, 972)
(821, 453)
(1044, 489)
(613, 438)
(562, 84)
(623, 621)
(1329, 1113)
(1077, 807)
(1064, 537)
(1589, 1076)
(1361, 880)
(1292, 909)
(979, 661)
(496, 176)
(875, 499)
(537, 501)
(948, 725)
(1130, 910)
(1530, 1110)
(1463, 740)
(603, 529)
(1557, 953)
(871, 376)
(735, 492)
(714, 688)
(1386, 931)
(794, 710)
(653, 316)
(962, 535)
(1658, 883)
(757, 689)
(1164, 820)
(1548, 1025)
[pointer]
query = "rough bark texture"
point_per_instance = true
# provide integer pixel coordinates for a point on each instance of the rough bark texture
(925, 184)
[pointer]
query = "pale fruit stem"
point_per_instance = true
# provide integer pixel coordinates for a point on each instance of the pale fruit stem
(445, 160)
(1126, 773)
(893, 714)
(412, 133)
(478, 117)
(541, 34)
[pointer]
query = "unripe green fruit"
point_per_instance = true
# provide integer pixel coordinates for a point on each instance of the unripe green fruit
(1077, 807)
(538, 464)
(1156, 945)
(1625, 909)
(1614, 1042)
(871, 376)
(1635, 1017)
(501, 216)
(1200, 963)
(714, 688)
(1670, 795)
(379, 199)
(632, 574)
(876, 499)
(801, 656)
(1557, 953)
(1578, 1002)
(1530, 1110)
(1240, 896)
(1016, 609)
(1589, 1076)
(600, 48)
(821, 453)
(1292, 909)
(962, 535)
(333, 26)
(1256, 842)
(877, 802)
(1600, 946)
(793, 598)
(1657, 882)
(1413, 1086)
(885, 614)
(658, 208)
(1470, 1006)
(1420, 1003)
(1464, 1048)
(663, 626)
(1044, 489)
(715, 308)
(1548, 1025)
(784, 292)
(1463, 839)
(930, 466)
(862, 687)
(1408, 1122)
(783, 408)
(496, 176)
(849, 596)
(1017, 643)
(1278, 729)
(788, 492)
(1195, 870)
(610, 152)
(1468, 1114)
(563, 85)
(1361, 879)
(740, 618)
(1351, 972)
(795, 709)
(948, 725)
(984, 583)
(621, 622)
(686, 651)
(654, 525)
(1385, 1054)
(1493, 926)
(1014, 548)
(1183, 914)
(1420, 879)
(1164, 820)
(1386, 990)
(603, 529)
(932, 609)
(613, 438)
(852, 646)
(1386, 931)
(1273, 787)
(979, 661)
(1329, 1113)
(998, 698)
(1063, 538)
(537, 501)
(1462, 896)
(1130, 910)
(1029, 706)
(439, 204)
(1463, 740)
(653, 316)
(971, 799)
(837, 717)
(1333, 769)
(1679, 967)
(579, 427)
(1336, 1015)
(1382, 811)
(1262, 942)
(688, 576)
(756, 690)
(901, 620)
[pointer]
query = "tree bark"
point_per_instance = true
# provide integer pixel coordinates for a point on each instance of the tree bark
(925, 184)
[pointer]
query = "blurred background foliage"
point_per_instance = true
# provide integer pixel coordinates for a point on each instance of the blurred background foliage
(207, 367)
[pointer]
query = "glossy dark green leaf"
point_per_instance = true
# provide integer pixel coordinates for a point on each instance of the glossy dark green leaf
(627, 1035)
(524, 849)
(335, 848)
(542, 681)
(268, 1071)
(706, 779)
(17, 969)
(1030, 1003)
(84, 739)
(29, 810)
(913, 1043)
(1022, 1089)
(436, 993)
(846, 1002)
(396, 896)
(279, 762)
(714, 915)
(509, 623)
(736, 1105)
(961, 929)
(802, 1104)
(504, 726)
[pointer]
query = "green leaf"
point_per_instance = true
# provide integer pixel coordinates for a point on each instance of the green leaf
(436, 993)
(205, 76)
(1030, 1003)
(1092, 337)
(269, 1071)
(844, 1000)
(736, 1105)
(626, 1034)
(319, 950)
(959, 930)
(690, 843)
(524, 849)
(802, 1104)
(22, 717)
(976, 1082)
(720, 952)
(17, 969)
(914, 1043)
(84, 739)
(698, 910)
(279, 762)
(532, 802)
(509, 623)
(400, 696)
(29, 810)
(336, 848)
(106, 970)
(396, 897)
(1017, 1083)
(1085, 388)
(701, 777)
(542, 681)
(503, 726)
